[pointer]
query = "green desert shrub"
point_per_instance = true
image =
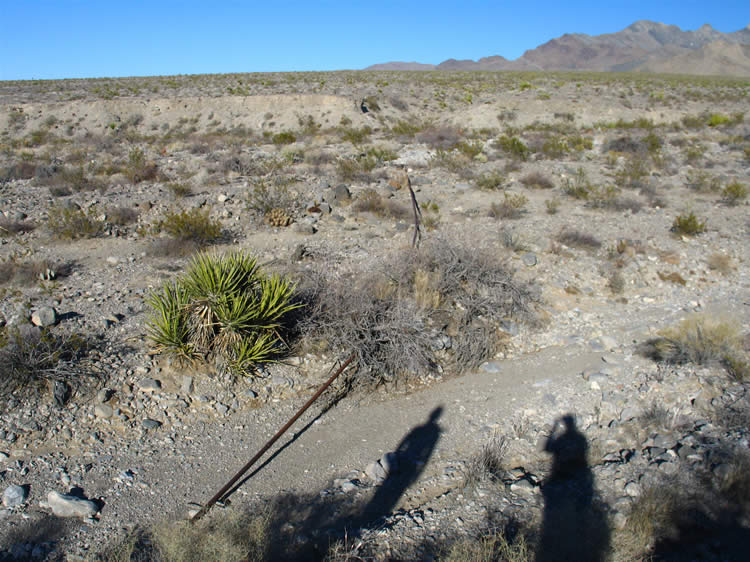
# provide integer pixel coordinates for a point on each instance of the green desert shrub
(514, 147)
(356, 136)
(284, 137)
(511, 207)
(223, 309)
(70, 223)
(689, 225)
(194, 225)
(490, 181)
(734, 193)
(139, 168)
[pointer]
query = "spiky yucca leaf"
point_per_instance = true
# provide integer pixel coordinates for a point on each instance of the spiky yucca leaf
(167, 325)
(210, 277)
(262, 348)
(228, 310)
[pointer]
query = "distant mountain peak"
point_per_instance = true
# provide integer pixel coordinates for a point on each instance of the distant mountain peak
(645, 46)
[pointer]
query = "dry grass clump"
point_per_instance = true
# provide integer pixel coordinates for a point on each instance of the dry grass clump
(537, 180)
(393, 316)
(11, 227)
(720, 262)
(489, 548)
(28, 273)
(444, 137)
(122, 216)
(371, 201)
(673, 519)
(29, 358)
(266, 195)
(577, 239)
(222, 535)
(68, 223)
(488, 464)
(703, 340)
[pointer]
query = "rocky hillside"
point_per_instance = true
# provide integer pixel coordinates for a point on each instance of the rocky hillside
(645, 46)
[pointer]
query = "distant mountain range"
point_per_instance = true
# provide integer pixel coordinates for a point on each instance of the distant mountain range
(645, 46)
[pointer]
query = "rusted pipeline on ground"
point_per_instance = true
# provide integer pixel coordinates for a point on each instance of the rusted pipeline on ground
(251, 462)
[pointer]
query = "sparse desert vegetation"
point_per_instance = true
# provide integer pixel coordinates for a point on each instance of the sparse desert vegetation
(510, 259)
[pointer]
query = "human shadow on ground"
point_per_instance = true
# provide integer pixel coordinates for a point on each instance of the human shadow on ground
(575, 520)
(411, 456)
(326, 520)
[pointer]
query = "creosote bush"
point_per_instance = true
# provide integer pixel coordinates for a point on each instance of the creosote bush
(223, 309)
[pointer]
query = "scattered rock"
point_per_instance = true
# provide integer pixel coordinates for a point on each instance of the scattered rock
(149, 423)
(14, 496)
(64, 505)
(149, 385)
(44, 316)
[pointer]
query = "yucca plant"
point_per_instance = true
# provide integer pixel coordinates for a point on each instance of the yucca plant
(225, 308)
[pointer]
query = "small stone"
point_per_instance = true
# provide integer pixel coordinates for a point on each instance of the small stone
(104, 411)
(222, 409)
(346, 485)
(4, 456)
(522, 486)
(113, 260)
(529, 259)
(341, 193)
(633, 489)
(44, 316)
(376, 472)
(389, 462)
(149, 385)
(14, 495)
(490, 367)
(222, 198)
(64, 505)
(304, 228)
(187, 384)
(148, 423)
(664, 441)
(250, 393)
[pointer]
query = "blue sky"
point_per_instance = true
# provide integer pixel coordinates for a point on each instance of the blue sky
(72, 39)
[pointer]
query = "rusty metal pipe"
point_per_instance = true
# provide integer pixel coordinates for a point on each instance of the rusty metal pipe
(220, 494)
